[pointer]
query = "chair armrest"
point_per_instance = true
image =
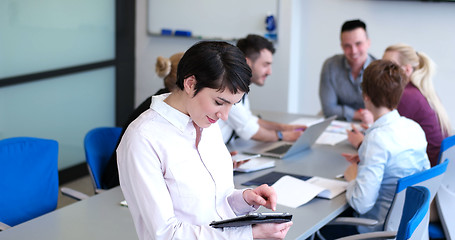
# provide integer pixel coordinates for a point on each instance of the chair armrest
(3, 226)
(372, 235)
(353, 221)
(73, 193)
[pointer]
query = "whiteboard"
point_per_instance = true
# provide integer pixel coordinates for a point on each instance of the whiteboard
(211, 19)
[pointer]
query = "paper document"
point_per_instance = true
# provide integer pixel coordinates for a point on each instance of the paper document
(243, 157)
(293, 192)
(332, 187)
(256, 164)
(334, 133)
(308, 121)
(328, 138)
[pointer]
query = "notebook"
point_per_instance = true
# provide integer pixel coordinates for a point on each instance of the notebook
(285, 149)
(256, 164)
(294, 190)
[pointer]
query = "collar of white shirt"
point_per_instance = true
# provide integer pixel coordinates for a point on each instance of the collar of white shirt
(174, 116)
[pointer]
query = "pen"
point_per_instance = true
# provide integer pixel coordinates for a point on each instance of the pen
(299, 129)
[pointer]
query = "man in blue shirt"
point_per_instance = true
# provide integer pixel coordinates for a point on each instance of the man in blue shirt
(394, 147)
(341, 75)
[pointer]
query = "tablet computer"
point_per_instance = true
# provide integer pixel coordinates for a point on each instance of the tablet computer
(253, 218)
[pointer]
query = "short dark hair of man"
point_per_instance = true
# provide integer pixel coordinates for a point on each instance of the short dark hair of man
(217, 65)
(353, 24)
(383, 82)
(253, 44)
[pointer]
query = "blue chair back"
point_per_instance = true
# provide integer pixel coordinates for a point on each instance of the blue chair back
(28, 178)
(416, 214)
(99, 144)
(430, 179)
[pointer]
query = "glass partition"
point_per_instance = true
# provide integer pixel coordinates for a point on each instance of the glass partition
(62, 108)
(44, 35)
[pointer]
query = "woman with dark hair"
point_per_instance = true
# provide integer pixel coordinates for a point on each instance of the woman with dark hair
(175, 171)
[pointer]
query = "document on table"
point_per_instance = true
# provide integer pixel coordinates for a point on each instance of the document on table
(256, 164)
(293, 192)
(334, 133)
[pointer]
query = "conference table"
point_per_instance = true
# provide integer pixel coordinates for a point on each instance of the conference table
(102, 216)
(320, 160)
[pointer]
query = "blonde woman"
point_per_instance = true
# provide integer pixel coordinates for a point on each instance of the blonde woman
(419, 101)
(166, 68)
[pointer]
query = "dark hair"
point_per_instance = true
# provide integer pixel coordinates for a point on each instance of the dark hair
(252, 46)
(216, 65)
(353, 24)
(383, 82)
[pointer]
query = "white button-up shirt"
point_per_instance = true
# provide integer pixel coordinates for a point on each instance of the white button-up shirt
(394, 147)
(173, 189)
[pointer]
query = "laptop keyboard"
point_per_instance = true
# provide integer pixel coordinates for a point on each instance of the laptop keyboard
(280, 149)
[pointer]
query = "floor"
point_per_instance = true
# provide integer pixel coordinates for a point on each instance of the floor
(83, 184)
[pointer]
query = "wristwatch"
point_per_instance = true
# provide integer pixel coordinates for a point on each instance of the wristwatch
(280, 135)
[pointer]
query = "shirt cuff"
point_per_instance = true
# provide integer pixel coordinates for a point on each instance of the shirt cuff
(348, 113)
(238, 203)
(249, 129)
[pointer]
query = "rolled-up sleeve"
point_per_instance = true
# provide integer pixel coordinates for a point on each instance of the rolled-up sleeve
(238, 204)
(242, 121)
(362, 192)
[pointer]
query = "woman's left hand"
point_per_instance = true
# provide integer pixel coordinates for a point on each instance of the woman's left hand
(263, 195)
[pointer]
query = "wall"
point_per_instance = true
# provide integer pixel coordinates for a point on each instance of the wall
(148, 48)
(427, 26)
(226, 21)
(308, 34)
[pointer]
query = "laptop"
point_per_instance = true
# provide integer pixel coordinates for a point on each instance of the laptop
(285, 149)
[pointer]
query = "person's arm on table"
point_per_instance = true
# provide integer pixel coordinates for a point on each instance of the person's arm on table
(267, 131)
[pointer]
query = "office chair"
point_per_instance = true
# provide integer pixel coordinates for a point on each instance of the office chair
(430, 179)
(28, 179)
(414, 219)
(99, 144)
(445, 199)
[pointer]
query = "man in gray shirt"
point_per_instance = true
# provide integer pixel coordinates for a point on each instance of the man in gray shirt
(341, 75)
